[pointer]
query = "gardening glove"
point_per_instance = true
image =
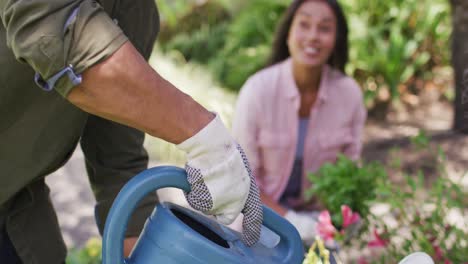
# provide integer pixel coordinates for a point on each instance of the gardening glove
(305, 223)
(221, 181)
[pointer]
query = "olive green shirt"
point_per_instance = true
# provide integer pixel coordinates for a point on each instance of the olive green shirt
(39, 130)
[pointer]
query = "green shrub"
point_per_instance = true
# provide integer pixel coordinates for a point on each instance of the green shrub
(417, 213)
(395, 42)
(171, 11)
(346, 183)
(189, 16)
(201, 45)
(234, 46)
(248, 42)
(229, 71)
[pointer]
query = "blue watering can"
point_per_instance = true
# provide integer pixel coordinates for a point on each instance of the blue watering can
(177, 235)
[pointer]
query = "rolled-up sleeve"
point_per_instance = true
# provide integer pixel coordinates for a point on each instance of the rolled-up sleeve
(50, 35)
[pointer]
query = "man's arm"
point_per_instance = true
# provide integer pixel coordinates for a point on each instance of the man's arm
(118, 84)
(126, 72)
(124, 88)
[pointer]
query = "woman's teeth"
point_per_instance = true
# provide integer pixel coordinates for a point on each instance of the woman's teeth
(311, 51)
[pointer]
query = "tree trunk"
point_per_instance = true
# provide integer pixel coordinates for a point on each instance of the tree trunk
(460, 63)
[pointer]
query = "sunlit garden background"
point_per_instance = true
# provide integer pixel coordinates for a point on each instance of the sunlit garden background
(411, 186)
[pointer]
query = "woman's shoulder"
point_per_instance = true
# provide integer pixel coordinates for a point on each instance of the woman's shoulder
(265, 78)
(344, 84)
(268, 73)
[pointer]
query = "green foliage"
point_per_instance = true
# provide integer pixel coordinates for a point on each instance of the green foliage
(423, 212)
(196, 30)
(421, 140)
(201, 45)
(419, 215)
(229, 71)
(233, 46)
(393, 42)
(346, 183)
(248, 42)
(90, 254)
(170, 11)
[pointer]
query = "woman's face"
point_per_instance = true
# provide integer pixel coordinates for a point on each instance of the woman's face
(312, 34)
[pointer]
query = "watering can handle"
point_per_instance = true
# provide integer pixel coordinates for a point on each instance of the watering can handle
(161, 177)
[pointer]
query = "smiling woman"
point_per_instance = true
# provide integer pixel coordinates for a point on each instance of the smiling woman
(312, 35)
(301, 111)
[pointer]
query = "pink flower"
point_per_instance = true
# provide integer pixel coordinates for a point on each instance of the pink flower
(349, 217)
(378, 241)
(438, 252)
(325, 227)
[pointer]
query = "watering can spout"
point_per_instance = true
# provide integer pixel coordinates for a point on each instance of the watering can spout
(176, 235)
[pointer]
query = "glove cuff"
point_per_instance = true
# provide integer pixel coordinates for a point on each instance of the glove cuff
(214, 139)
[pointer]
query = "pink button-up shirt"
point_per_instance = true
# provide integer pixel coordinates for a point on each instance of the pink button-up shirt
(266, 124)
